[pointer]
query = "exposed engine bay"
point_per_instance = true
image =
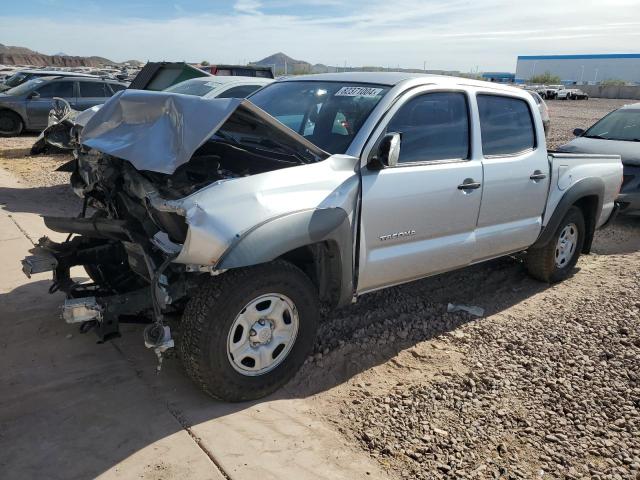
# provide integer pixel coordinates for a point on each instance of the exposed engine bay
(132, 226)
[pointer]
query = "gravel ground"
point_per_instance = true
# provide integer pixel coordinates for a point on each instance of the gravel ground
(545, 385)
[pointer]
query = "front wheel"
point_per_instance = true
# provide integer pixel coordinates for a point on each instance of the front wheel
(555, 261)
(10, 124)
(246, 332)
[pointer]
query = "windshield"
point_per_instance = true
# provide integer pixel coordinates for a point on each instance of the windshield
(15, 79)
(623, 124)
(193, 87)
(24, 88)
(328, 114)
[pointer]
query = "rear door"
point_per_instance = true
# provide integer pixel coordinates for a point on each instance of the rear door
(92, 93)
(38, 106)
(516, 174)
(418, 218)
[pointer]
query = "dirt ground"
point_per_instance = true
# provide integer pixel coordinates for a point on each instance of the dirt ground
(546, 384)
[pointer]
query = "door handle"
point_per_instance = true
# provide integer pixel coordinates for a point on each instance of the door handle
(538, 175)
(469, 184)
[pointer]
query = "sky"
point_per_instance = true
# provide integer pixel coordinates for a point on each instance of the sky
(486, 35)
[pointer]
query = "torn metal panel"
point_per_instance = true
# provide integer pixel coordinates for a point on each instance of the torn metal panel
(159, 132)
(214, 224)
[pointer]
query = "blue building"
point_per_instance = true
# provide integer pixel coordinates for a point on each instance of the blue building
(499, 77)
(581, 69)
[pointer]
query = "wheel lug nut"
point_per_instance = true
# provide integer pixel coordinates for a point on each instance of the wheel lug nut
(252, 332)
(261, 321)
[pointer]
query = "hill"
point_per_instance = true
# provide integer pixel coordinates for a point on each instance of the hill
(285, 64)
(11, 55)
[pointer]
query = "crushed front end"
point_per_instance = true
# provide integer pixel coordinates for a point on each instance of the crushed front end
(140, 158)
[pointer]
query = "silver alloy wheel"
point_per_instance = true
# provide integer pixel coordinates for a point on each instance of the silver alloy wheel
(262, 334)
(566, 245)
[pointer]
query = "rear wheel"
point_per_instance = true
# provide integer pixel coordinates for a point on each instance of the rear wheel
(555, 261)
(246, 333)
(10, 124)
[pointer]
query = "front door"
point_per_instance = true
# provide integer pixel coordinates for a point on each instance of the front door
(39, 105)
(418, 218)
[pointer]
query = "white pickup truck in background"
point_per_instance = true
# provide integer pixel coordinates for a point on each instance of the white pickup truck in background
(239, 216)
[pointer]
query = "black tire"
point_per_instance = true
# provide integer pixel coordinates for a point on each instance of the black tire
(541, 262)
(210, 315)
(10, 124)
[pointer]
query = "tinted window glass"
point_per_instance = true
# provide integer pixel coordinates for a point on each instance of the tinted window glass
(506, 125)
(623, 124)
(329, 114)
(194, 86)
(93, 89)
(56, 89)
(116, 87)
(239, 92)
(434, 126)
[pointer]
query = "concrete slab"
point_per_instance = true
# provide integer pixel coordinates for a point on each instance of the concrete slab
(72, 409)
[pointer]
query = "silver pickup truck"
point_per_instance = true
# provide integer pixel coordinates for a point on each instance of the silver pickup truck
(230, 220)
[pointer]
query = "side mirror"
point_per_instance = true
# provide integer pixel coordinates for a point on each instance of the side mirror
(578, 132)
(34, 96)
(387, 153)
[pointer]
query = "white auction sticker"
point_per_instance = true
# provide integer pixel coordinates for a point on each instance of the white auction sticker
(358, 92)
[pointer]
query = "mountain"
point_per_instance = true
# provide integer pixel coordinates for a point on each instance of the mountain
(284, 64)
(297, 67)
(61, 54)
(11, 55)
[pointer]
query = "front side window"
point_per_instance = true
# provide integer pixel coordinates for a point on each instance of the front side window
(56, 89)
(328, 114)
(506, 125)
(623, 125)
(433, 126)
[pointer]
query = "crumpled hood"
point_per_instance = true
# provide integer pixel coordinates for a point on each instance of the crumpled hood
(155, 131)
(629, 151)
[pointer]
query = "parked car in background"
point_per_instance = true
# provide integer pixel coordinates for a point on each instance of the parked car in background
(27, 106)
(550, 92)
(157, 76)
(23, 76)
(238, 70)
(544, 111)
(220, 87)
(617, 133)
(571, 94)
(241, 215)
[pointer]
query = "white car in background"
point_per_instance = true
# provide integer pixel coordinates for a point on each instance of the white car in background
(220, 87)
(571, 94)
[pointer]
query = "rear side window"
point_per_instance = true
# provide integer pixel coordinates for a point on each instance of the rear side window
(433, 126)
(506, 125)
(94, 89)
(116, 87)
(239, 92)
(56, 89)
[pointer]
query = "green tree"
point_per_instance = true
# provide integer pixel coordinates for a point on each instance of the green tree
(204, 63)
(546, 78)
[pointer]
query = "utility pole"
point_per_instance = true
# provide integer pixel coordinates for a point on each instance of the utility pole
(424, 66)
(595, 80)
(581, 74)
(285, 66)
